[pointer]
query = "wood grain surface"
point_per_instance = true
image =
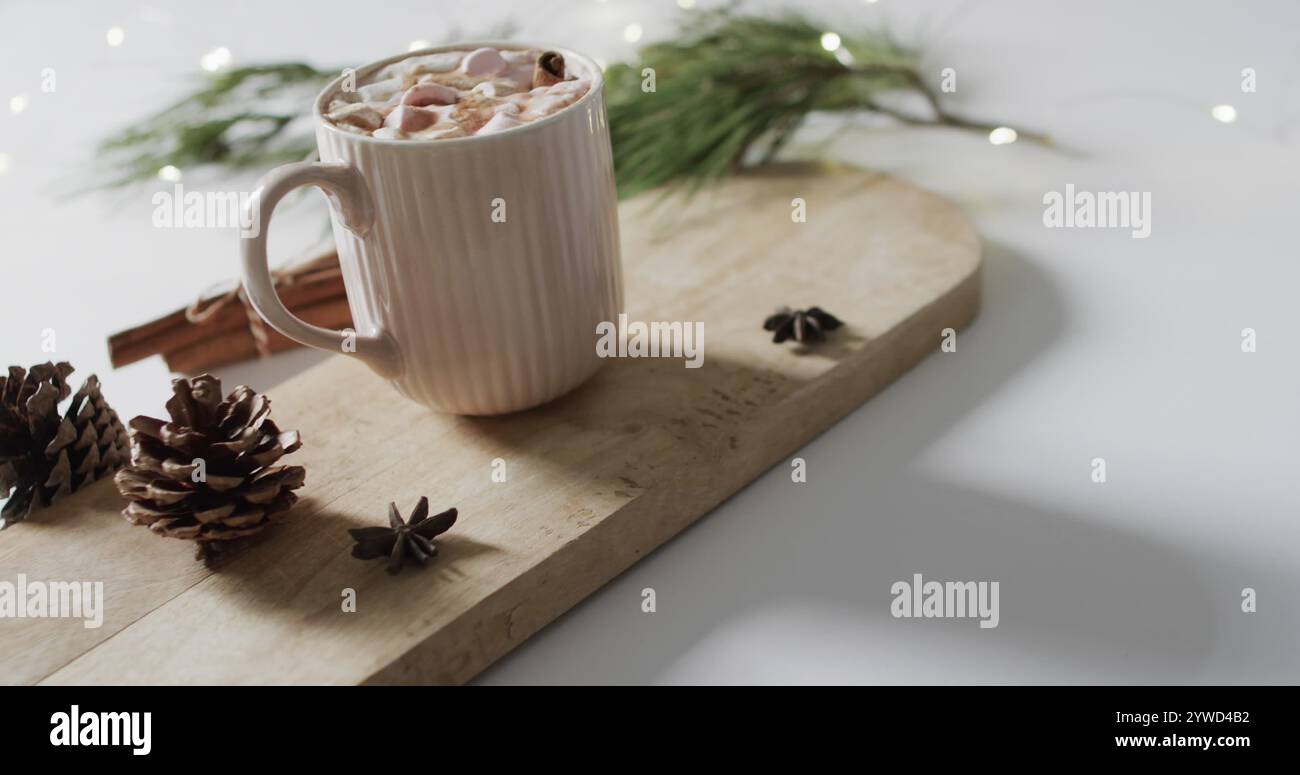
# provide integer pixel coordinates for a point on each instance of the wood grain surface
(595, 480)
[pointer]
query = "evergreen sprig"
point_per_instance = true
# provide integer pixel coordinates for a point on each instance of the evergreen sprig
(241, 118)
(733, 88)
(729, 91)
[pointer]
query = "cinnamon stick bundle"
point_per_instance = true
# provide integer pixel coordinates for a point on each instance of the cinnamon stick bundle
(237, 346)
(216, 331)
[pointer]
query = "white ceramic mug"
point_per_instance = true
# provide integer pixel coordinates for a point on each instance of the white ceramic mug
(476, 268)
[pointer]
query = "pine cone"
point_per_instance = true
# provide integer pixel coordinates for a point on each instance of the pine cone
(44, 456)
(206, 475)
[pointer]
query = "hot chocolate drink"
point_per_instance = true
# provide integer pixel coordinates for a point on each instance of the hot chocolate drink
(458, 94)
(460, 308)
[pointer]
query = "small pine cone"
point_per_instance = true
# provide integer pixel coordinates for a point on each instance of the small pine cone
(207, 475)
(44, 455)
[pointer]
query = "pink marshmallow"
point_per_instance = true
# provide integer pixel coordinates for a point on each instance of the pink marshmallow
(423, 94)
(408, 118)
(484, 62)
(522, 75)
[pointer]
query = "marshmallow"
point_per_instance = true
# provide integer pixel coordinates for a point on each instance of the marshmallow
(429, 63)
(458, 93)
(547, 100)
(521, 57)
(388, 106)
(499, 123)
(496, 88)
(576, 87)
(356, 114)
(484, 62)
(380, 90)
(439, 133)
(546, 104)
(410, 119)
(522, 75)
(429, 94)
(445, 112)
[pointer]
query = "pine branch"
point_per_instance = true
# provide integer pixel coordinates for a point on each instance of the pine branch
(733, 88)
(729, 91)
(216, 125)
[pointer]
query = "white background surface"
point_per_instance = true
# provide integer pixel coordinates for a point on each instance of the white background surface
(974, 466)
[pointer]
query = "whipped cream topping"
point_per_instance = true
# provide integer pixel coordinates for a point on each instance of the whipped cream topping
(457, 94)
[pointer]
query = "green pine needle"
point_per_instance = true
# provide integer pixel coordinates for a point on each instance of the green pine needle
(729, 91)
(733, 88)
(217, 125)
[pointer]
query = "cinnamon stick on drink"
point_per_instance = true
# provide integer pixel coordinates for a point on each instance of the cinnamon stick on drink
(549, 69)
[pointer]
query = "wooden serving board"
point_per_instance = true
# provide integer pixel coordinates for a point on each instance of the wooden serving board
(595, 480)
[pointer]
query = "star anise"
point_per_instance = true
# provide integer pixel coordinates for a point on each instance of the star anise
(401, 538)
(801, 325)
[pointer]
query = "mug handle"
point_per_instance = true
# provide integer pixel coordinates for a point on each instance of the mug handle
(350, 200)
